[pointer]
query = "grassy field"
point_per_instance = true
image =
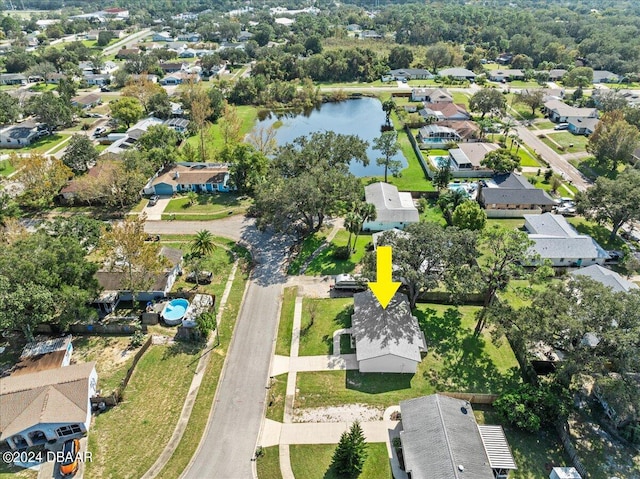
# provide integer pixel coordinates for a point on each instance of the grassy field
(591, 169)
(531, 451)
(509, 223)
(543, 125)
(11, 472)
(456, 361)
(6, 168)
(329, 315)
(202, 406)
(268, 464)
(276, 398)
(42, 145)
(412, 178)
(565, 140)
(307, 248)
(313, 461)
(598, 232)
(207, 205)
(325, 263)
(285, 326)
(214, 141)
(147, 415)
(526, 159)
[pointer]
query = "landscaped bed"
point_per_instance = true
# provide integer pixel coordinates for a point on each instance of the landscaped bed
(313, 461)
(456, 361)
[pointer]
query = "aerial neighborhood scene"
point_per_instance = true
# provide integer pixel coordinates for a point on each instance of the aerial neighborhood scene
(320, 240)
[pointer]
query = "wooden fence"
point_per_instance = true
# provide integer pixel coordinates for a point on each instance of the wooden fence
(565, 437)
(473, 398)
(136, 358)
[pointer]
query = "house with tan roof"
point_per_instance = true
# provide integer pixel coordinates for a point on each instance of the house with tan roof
(49, 405)
(444, 111)
(469, 156)
(183, 177)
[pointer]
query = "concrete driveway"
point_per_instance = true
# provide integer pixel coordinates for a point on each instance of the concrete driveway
(154, 213)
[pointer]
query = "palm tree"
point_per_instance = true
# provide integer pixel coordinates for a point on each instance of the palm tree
(202, 244)
(449, 201)
(192, 196)
(507, 126)
(366, 212)
(352, 223)
(388, 107)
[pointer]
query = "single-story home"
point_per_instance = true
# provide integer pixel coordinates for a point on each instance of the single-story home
(556, 74)
(444, 111)
(457, 74)
(605, 76)
(190, 37)
(147, 77)
(179, 77)
(182, 177)
(173, 67)
(441, 439)
(467, 130)
(44, 355)
(87, 101)
(556, 240)
(126, 141)
(20, 135)
(394, 209)
(582, 126)
(100, 79)
(113, 283)
(370, 35)
(410, 74)
(125, 53)
(560, 112)
(431, 95)
(68, 193)
(504, 58)
(607, 277)
(506, 75)
(468, 156)
(187, 53)
(13, 79)
(512, 192)
(48, 405)
(386, 340)
(162, 37)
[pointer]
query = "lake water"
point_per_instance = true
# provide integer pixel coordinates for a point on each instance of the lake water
(362, 117)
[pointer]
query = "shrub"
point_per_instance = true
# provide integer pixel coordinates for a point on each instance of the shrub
(341, 253)
(529, 407)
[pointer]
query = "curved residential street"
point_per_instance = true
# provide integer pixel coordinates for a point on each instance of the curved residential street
(229, 442)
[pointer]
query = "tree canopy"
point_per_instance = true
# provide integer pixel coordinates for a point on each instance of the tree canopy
(501, 161)
(487, 100)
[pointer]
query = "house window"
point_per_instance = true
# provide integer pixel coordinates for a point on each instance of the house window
(68, 430)
(562, 260)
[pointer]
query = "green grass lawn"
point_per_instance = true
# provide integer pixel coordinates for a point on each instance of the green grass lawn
(42, 145)
(139, 208)
(433, 213)
(268, 464)
(43, 87)
(202, 406)
(325, 263)
(214, 141)
(523, 84)
(423, 83)
(329, 315)
(531, 451)
(598, 232)
(591, 169)
(543, 125)
(6, 168)
(565, 140)
(207, 206)
(313, 461)
(8, 471)
(147, 415)
(456, 361)
(307, 248)
(412, 178)
(526, 159)
(461, 98)
(276, 398)
(509, 223)
(285, 326)
(521, 109)
(565, 189)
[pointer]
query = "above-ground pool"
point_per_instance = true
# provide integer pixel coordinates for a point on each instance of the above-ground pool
(174, 310)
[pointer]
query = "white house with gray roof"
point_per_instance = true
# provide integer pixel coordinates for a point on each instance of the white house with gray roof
(560, 112)
(48, 405)
(457, 73)
(394, 209)
(557, 241)
(386, 340)
(19, 136)
(441, 440)
(469, 156)
(605, 276)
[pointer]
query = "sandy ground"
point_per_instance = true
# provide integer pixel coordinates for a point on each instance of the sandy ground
(347, 413)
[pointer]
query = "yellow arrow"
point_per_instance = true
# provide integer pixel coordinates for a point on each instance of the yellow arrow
(384, 288)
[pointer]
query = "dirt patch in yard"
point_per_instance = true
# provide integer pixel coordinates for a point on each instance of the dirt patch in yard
(347, 413)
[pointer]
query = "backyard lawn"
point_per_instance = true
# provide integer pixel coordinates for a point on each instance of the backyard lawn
(208, 206)
(329, 315)
(325, 263)
(285, 326)
(268, 464)
(598, 232)
(591, 169)
(412, 178)
(531, 451)
(456, 361)
(214, 141)
(313, 461)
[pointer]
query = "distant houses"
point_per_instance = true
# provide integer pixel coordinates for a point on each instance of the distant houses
(505, 75)
(410, 74)
(457, 74)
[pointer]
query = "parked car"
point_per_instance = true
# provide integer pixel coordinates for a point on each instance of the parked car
(614, 257)
(153, 200)
(204, 277)
(69, 463)
(105, 89)
(99, 131)
(561, 126)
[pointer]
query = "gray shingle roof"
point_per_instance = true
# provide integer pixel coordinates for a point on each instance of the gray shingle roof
(456, 72)
(391, 331)
(607, 277)
(514, 190)
(438, 437)
(391, 206)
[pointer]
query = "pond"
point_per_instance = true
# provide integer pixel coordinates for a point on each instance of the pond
(362, 117)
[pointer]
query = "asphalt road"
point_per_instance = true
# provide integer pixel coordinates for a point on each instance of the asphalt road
(228, 446)
(559, 164)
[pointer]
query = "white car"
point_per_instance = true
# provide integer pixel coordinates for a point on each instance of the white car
(561, 126)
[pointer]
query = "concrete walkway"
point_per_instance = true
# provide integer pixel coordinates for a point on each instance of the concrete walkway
(178, 432)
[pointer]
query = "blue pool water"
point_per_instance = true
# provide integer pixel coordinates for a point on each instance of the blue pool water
(175, 309)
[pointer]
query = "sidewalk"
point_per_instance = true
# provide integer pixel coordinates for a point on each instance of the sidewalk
(178, 432)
